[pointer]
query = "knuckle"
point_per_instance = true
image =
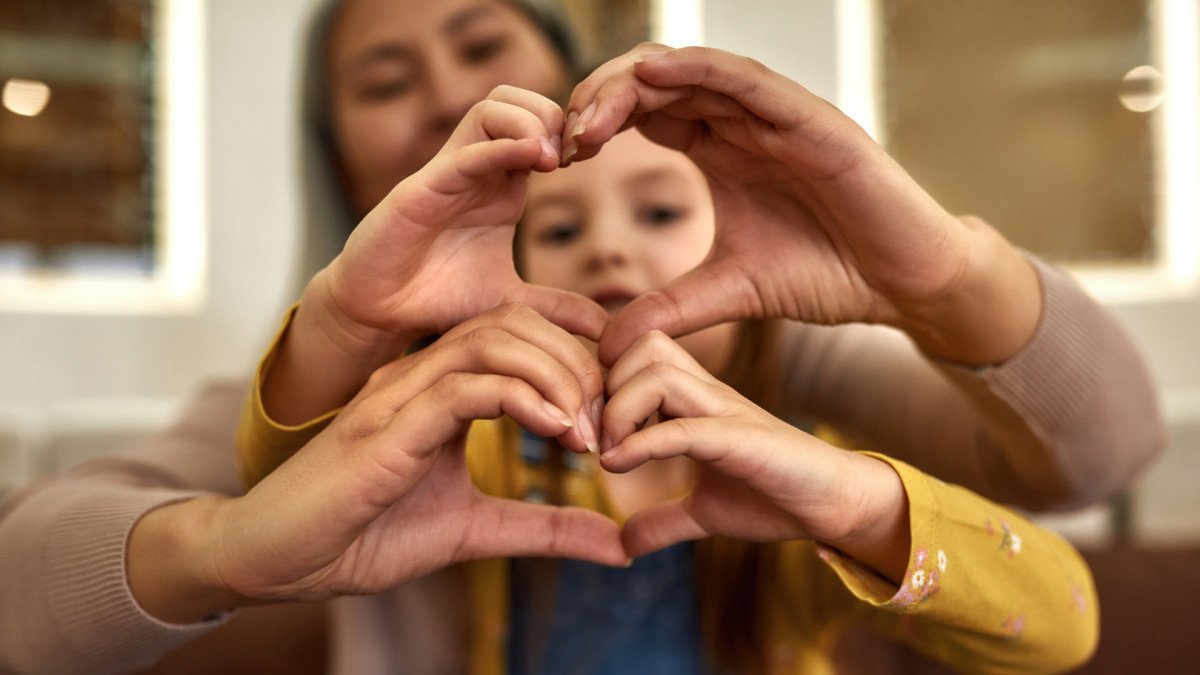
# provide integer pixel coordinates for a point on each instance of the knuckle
(650, 46)
(479, 340)
(501, 91)
(660, 369)
(480, 107)
(516, 313)
(449, 386)
(658, 344)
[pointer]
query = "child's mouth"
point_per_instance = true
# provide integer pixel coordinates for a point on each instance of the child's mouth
(612, 300)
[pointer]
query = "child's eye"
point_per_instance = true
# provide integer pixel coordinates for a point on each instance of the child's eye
(659, 215)
(560, 235)
(483, 51)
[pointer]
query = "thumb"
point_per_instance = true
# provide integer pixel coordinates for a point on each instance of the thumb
(545, 531)
(570, 311)
(660, 526)
(713, 293)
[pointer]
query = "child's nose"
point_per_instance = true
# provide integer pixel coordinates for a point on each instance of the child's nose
(607, 251)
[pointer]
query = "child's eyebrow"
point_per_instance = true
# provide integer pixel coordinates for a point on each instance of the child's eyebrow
(651, 175)
(552, 199)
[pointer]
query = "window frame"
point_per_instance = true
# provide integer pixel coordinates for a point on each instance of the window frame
(177, 283)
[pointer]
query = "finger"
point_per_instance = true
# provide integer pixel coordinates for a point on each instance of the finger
(649, 349)
(618, 77)
(621, 102)
(491, 349)
(715, 292)
(585, 92)
(546, 110)
(660, 526)
(441, 412)
(385, 455)
(660, 387)
(712, 440)
(570, 311)
(759, 89)
(499, 119)
(506, 528)
(489, 158)
(528, 324)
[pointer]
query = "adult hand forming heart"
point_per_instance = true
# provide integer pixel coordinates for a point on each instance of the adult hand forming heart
(815, 222)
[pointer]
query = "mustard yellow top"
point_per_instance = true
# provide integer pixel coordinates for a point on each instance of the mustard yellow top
(985, 589)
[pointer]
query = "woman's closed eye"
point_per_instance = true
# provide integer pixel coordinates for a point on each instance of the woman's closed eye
(478, 52)
(386, 89)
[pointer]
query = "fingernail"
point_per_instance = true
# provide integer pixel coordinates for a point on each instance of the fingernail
(557, 414)
(628, 563)
(585, 118)
(605, 443)
(548, 148)
(598, 412)
(556, 142)
(572, 148)
(608, 455)
(569, 124)
(587, 432)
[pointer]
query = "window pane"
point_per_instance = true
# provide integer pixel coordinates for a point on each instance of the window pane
(1012, 110)
(76, 132)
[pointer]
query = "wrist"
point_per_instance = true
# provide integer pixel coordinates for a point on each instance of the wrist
(169, 563)
(323, 358)
(341, 331)
(876, 505)
(990, 310)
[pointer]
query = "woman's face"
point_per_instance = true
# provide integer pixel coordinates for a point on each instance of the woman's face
(403, 73)
(626, 222)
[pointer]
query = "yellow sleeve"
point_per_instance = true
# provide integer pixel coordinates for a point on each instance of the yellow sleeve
(262, 443)
(985, 589)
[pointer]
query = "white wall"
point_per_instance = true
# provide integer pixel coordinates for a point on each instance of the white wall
(49, 359)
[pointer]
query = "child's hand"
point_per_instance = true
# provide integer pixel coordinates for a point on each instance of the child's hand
(383, 495)
(815, 222)
(756, 478)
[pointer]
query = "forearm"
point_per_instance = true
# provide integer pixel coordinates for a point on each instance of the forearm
(878, 534)
(322, 359)
(1068, 420)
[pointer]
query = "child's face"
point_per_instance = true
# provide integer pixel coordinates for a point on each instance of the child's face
(623, 223)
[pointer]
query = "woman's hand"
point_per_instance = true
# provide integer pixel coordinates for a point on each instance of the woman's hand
(815, 222)
(383, 494)
(756, 477)
(438, 249)
(435, 252)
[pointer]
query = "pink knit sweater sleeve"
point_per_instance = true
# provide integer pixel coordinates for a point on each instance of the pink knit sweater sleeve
(65, 604)
(1069, 420)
